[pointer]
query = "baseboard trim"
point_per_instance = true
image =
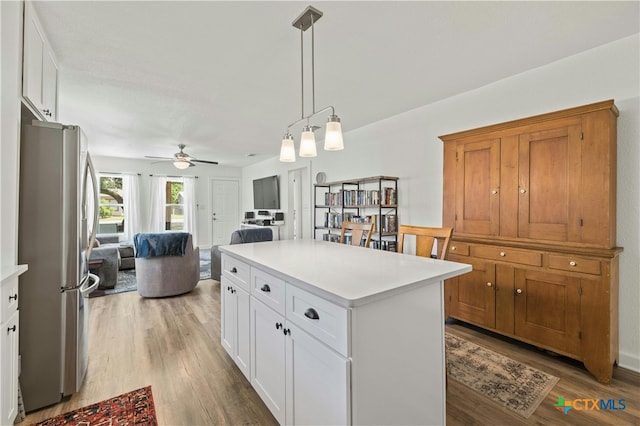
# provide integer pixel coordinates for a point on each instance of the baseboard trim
(629, 362)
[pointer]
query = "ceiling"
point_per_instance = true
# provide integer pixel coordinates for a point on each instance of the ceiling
(224, 77)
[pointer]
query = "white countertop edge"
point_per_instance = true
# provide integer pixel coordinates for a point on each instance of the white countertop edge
(345, 302)
(13, 270)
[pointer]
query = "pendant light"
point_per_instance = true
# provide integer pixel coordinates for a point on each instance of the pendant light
(333, 133)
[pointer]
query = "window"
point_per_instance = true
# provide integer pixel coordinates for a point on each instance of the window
(111, 205)
(174, 217)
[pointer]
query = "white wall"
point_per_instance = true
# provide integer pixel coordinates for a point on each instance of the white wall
(407, 146)
(11, 58)
(205, 174)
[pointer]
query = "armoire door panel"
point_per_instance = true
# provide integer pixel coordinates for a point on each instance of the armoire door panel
(474, 294)
(549, 184)
(478, 187)
(547, 309)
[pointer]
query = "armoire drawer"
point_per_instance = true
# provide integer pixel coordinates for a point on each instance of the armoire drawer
(506, 254)
(461, 249)
(574, 264)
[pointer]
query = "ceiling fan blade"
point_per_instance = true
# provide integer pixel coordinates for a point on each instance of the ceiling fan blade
(158, 158)
(204, 161)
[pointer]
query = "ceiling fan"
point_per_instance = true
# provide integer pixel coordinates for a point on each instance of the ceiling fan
(182, 160)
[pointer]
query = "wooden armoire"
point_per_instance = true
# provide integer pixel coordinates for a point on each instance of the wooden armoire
(533, 206)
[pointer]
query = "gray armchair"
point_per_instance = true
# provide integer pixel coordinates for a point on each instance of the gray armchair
(241, 236)
(161, 276)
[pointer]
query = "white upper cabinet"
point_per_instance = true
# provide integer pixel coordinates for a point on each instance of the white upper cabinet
(40, 69)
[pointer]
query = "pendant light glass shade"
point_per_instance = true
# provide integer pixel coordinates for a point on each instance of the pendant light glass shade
(333, 135)
(308, 143)
(287, 150)
(180, 164)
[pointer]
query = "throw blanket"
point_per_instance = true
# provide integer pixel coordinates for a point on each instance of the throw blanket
(161, 244)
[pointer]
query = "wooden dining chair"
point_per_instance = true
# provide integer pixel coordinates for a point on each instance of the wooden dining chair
(358, 230)
(425, 238)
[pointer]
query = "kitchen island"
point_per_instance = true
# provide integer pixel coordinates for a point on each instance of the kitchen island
(334, 334)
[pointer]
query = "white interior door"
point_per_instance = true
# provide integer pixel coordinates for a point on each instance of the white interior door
(225, 216)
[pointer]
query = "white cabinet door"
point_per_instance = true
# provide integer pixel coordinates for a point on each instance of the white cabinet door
(9, 366)
(229, 315)
(268, 357)
(318, 386)
(40, 71)
(234, 334)
(243, 339)
(49, 86)
(34, 47)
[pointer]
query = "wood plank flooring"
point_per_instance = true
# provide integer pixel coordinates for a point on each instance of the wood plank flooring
(173, 344)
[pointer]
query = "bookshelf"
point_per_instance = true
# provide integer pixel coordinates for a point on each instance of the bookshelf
(362, 199)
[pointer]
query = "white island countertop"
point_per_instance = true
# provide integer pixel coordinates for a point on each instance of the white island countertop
(346, 275)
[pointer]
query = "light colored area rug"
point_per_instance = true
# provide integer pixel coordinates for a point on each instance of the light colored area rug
(509, 383)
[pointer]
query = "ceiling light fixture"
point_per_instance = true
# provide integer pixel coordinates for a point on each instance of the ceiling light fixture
(181, 164)
(333, 134)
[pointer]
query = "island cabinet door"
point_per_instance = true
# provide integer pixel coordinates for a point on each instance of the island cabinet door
(318, 381)
(229, 316)
(268, 357)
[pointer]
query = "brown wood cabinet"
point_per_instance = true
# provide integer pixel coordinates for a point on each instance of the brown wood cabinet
(532, 203)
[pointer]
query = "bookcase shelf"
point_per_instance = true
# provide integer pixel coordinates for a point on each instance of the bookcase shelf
(362, 199)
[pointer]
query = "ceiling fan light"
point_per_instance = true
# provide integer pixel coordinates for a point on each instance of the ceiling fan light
(308, 143)
(287, 149)
(333, 135)
(181, 164)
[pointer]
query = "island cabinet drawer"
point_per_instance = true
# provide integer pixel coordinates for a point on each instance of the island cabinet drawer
(461, 249)
(268, 289)
(322, 319)
(507, 254)
(236, 269)
(574, 264)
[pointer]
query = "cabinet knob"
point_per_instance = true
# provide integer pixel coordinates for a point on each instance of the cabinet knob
(286, 331)
(14, 297)
(11, 329)
(518, 291)
(522, 190)
(278, 325)
(489, 284)
(494, 191)
(234, 270)
(502, 254)
(265, 288)
(453, 248)
(572, 263)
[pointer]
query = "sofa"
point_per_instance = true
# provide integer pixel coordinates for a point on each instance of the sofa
(241, 236)
(167, 264)
(115, 256)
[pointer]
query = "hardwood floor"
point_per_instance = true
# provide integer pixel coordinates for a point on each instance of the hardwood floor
(173, 344)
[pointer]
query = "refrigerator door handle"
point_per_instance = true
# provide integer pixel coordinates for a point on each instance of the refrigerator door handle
(96, 202)
(85, 288)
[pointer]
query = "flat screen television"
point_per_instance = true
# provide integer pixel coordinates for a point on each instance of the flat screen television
(266, 193)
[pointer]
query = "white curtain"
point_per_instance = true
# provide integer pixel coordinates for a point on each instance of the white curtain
(157, 204)
(190, 208)
(131, 201)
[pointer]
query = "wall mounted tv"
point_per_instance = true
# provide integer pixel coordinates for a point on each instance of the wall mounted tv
(266, 193)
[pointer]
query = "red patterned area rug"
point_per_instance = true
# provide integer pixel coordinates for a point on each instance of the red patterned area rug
(132, 408)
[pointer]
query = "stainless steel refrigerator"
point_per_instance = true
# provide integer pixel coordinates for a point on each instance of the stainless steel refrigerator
(58, 193)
